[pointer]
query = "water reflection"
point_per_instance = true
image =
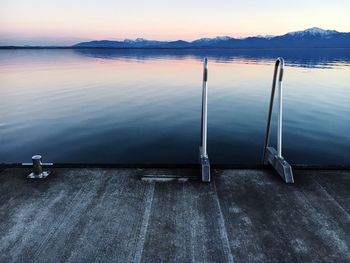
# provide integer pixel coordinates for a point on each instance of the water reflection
(136, 106)
(309, 58)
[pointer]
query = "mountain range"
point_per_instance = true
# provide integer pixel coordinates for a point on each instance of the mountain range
(309, 38)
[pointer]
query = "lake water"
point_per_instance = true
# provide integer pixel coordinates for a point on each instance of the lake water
(139, 106)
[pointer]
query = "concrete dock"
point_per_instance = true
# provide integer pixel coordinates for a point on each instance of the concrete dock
(168, 215)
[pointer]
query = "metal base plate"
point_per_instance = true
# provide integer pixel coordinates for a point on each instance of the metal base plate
(205, 166)
(281, 166)
(42, 175)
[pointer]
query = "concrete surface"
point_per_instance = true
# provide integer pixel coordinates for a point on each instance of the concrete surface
(165, 215)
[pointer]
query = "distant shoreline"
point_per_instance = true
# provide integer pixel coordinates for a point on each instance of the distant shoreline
(311, 38)
(167, 48)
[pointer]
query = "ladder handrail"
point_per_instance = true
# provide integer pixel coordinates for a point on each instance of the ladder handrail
(278, 64)
(203, 155)
(204, 117)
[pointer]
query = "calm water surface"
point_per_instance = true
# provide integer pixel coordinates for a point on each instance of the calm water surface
(110, 106)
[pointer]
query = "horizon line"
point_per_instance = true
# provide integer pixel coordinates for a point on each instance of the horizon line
(80, 40)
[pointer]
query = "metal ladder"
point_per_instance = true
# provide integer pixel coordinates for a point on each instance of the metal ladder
(203, 155)
(270, 155)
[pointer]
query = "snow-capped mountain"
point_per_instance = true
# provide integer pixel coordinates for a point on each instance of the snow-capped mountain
(314, 31)
(210, 41)
(136, 40)
(310, 38)
(266, 36)
(224, 38)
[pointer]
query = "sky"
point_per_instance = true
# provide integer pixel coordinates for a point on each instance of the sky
(66, 22)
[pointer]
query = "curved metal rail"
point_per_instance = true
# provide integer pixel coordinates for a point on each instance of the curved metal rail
(203, 155)
(270, 155)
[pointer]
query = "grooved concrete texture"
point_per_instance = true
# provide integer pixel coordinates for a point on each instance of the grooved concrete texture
(165, 215)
